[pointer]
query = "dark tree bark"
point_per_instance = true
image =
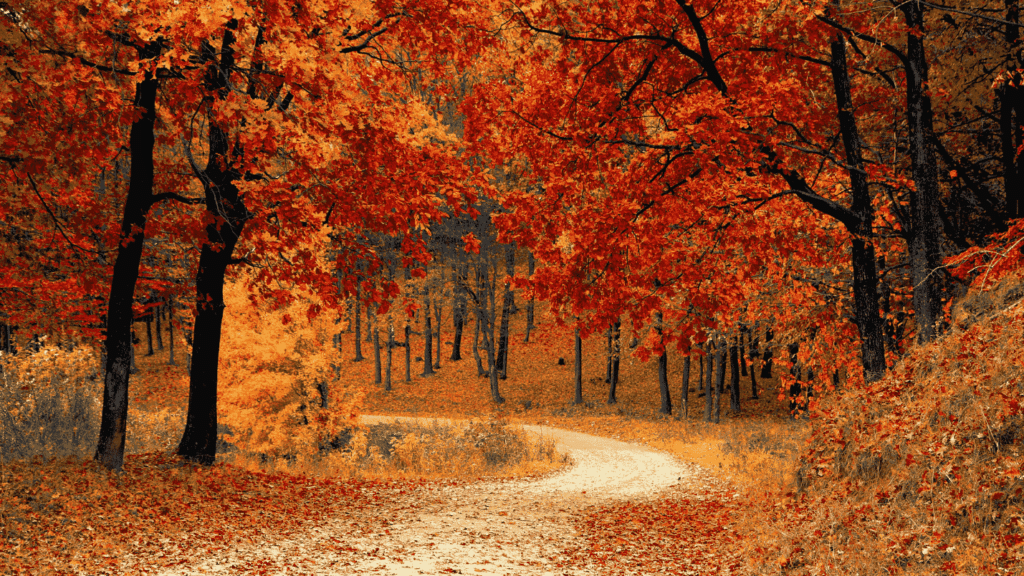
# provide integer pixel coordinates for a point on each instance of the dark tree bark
(577, 373)
(438, 303)
(508, 301)
(608, 356)
(149, 334)
(118, 343)
(719, 382)
(486, 303)
(616, 351)
(927, 274)
(666, 397)
(766, 356)
(376, 353)
(684, 397)
(391, 347)
(865, 275)
(428, 337)
(459, 309)
(159, 328)
(199, 442)
(734, 379)
(170, 330)
(530, 266)
(408, 352)
(476, 349)
(709, 381)
(743, 353)
(359, 342)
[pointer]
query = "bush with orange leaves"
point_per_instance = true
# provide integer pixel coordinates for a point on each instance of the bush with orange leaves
(279, 392)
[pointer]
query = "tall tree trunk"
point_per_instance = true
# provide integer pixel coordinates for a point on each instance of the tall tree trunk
(734, 379)
(1011, 110)
(530, 265)
(428, 337)
(359, 342)
(485, 317)
(666, 397)
(170, 330)
(719, 382)
(476, 348)
(118, 343)
(577, 373)
(159, 333)
(743, 352)
(376, 353)
(766, 356)
(616, 352)
(684, 397)
(438, 303)
(391, 346)
(709, 380)
(927, 275)
(408, 352)
(149, 334)
(508, 301)
(865, 274)
(459, 309)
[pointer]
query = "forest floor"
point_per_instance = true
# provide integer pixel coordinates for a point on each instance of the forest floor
(583, 519)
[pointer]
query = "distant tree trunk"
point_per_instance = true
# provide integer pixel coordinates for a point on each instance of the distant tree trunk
(684, 399)
(485, 318)
(170, 330)
(391, 346)
(438, 303)
(508, 301)
(135, 340)
(734, 379)
(578, 367)
(719, 381)
(408, 352)
(358, 323)
(149, 333)
(753, 353)
(700, 381)
(476, 349)
(530, 264)
(376, 354)
(459, 309)
(766, 356)
(613, 366)
(666, 397)
(709, 381)
(608, 356)
(428, 337)
(743, 353)
(369, 324)
(795, 389)
(159, 333)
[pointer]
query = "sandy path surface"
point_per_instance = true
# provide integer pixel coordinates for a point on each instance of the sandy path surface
(491, 529)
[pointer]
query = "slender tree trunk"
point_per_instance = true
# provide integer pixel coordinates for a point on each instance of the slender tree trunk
(743, 352)
(684, 398)
(719, 382)
(616, 351)
(149, 334)
(507, 302)
(709, 381)
(734, 379)
(170, 330)
(438, 303)
(578, 367)
(376, 353)
(476, 348)
(391, 346)
(766, 366)
(666, 397)
(485, 318)
(159, 333)
(608, 356)
(428, 337)
(118, 342)
(459, 309)
(359, 342)
(408, 352)
(530, 264)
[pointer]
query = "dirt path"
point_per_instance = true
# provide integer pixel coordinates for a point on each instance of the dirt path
(489, 529)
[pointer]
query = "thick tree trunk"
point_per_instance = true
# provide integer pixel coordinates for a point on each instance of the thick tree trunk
(927, 275)
(118, 343)
(1011, 111)
(865, 275)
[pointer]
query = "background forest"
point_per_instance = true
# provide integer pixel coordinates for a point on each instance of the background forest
(229, 227)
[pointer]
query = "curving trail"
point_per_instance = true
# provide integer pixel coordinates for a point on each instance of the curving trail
(516, 527)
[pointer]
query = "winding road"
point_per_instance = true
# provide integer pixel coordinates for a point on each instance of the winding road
(517, 527)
